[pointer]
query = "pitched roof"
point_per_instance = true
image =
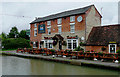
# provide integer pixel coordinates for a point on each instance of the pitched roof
(63, 14)
(102, 35)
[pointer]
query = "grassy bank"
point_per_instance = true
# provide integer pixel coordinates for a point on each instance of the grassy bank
(8, 49)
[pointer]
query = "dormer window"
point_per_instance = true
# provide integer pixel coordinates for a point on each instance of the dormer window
(35, 25)
(59, 21)
(48, 22)
(72, 18)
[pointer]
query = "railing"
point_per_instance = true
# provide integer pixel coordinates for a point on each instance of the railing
(69, 53)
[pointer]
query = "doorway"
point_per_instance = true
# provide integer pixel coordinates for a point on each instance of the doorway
(112, 48)
(60, 45)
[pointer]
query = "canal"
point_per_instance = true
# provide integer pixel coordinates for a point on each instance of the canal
(12, 65)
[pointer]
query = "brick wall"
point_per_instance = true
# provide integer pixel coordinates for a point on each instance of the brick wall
(98, 48)
(90, 19)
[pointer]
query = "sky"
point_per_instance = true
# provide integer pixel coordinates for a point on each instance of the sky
(20, 14)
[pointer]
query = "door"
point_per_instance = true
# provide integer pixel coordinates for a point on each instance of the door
(112, 48)
(60, 45)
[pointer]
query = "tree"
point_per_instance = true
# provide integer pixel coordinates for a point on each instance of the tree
(23, 34)
(3, 36)
(13, 33)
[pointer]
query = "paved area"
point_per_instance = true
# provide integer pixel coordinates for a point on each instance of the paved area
(67, 59)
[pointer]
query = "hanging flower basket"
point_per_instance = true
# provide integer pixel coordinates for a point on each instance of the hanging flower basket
(54, 43)
(64, 43)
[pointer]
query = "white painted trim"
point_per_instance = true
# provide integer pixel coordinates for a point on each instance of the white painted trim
(115, 47)
(72, 23)
(48, 22)
(71, 17)
(72, 42)
(49, 27)
(34, 31)
(35, 28)
(59, 25)
(33, 45)
(48, 41)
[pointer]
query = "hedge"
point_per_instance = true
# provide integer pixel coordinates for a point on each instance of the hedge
(14, 43)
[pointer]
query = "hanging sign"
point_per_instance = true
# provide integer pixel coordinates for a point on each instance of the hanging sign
(41, 28)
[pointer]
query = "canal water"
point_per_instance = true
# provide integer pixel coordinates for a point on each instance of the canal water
(22, 66)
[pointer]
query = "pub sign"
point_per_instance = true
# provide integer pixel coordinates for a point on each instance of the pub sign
(41, 28)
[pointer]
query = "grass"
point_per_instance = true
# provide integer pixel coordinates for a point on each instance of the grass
(8, 49)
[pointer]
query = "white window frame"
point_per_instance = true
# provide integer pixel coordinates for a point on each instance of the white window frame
(72, 43)
(35, 31)
(72, 18)
(35, 25)
(59, 30)
(49, 30)
(48, 22)
(115, 47)
(72, 28)
(48, 42)
(40, 45)
(35, 45)
(59, 21)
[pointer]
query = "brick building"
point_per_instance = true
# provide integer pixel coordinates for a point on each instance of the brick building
(64, 30)
(104, 38)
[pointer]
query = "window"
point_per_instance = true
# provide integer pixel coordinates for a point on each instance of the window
(40, 46)
(35, 31)
(59, 21)
(72, 18)
(69, 44)
(49, 31)
(35, 25)
(35, 44)
(46, 44)
(48, 22)
(59, 29)
(72, 43)
(49, 44)
(112, 48)
(72, 28)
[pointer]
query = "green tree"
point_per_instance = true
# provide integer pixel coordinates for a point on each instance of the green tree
(13, 33)
(23, 34)
(3, 36)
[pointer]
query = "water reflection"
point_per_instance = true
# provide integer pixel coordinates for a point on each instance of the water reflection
(21, 66)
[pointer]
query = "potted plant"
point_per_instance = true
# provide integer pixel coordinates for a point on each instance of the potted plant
(103, 48)
(53, 51)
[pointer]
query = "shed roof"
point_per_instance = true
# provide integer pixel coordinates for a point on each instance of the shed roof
(103, 35)
(63, 14)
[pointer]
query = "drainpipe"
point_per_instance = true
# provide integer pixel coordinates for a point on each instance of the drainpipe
(85, 30)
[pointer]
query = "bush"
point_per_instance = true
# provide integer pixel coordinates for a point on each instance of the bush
(87, 51)
(100, 53)
(78, 49)
(118, 51)
(14, 43)
(52, 50)
(103, 48)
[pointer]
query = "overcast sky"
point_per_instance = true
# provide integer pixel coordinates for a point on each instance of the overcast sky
(20, 14)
